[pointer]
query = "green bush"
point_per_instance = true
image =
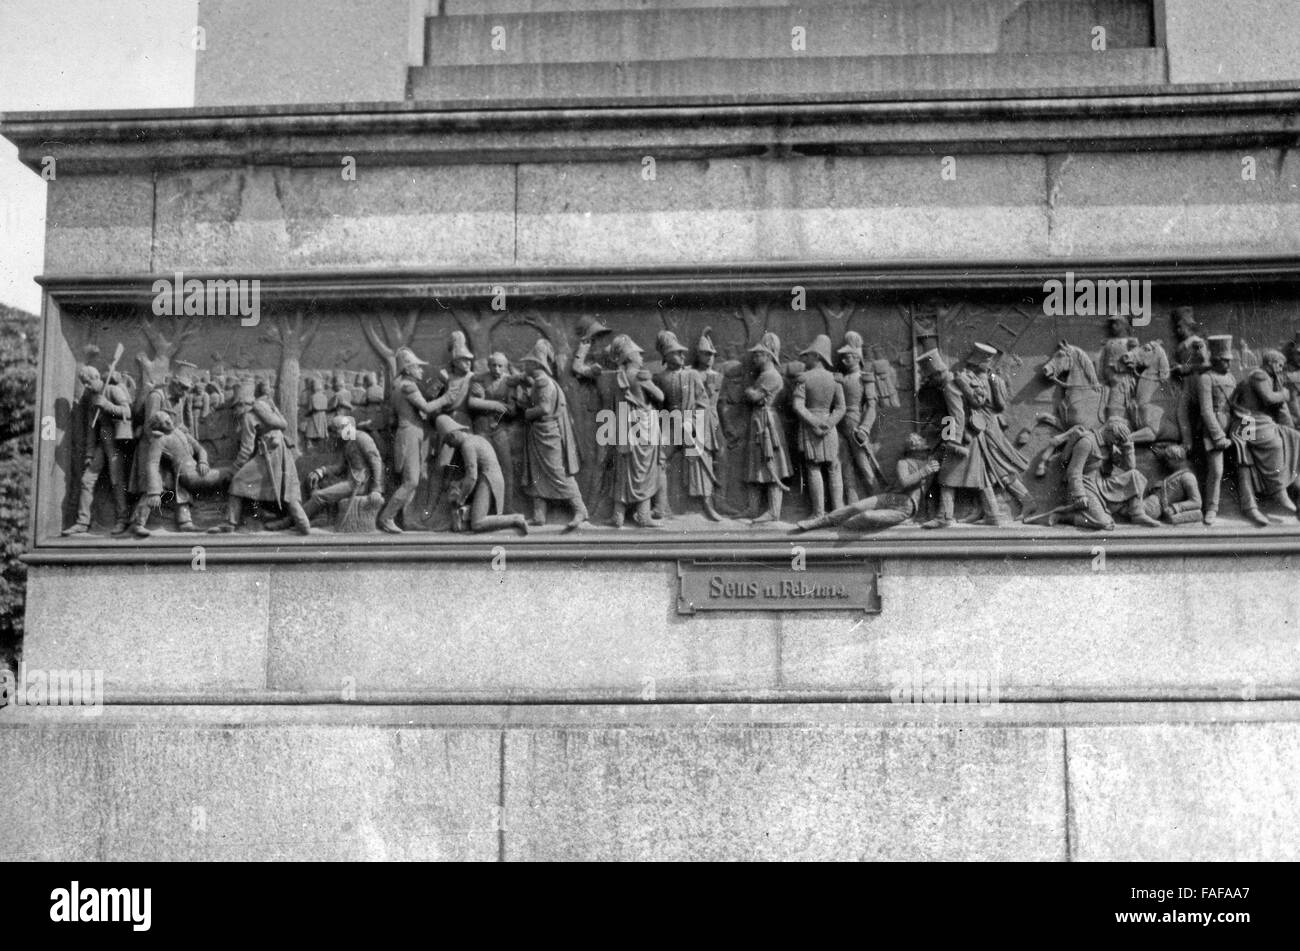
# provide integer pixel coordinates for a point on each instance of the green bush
(18, 343)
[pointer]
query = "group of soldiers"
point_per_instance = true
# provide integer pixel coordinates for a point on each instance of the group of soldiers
(462, 432)
(634, 469)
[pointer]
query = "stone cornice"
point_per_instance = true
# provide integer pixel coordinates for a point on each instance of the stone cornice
(1113, 119)
(717, 280)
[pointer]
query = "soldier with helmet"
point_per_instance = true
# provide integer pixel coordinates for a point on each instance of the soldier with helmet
(454, 394)
(767, 463)
(993, 461)
(637, 468)
(411, 439)
(693, 418)
(595, 366)
(861, 403)
(934, 374)
(818, 403)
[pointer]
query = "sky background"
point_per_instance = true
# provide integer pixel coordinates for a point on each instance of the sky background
(78, 54)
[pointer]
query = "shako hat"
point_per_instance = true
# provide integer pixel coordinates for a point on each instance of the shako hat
(1220, 346)
(930, 363)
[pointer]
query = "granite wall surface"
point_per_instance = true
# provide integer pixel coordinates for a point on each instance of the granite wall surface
(1186, 782)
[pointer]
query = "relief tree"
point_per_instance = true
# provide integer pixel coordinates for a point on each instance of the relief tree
(294, 332)
(155, 367)
(387, 334)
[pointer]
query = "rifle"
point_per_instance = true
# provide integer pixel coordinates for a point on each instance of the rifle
(1059, 510)
(117, 355)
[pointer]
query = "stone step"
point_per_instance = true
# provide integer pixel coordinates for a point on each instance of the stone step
(746, 78)
(894, 27)
(485, 7)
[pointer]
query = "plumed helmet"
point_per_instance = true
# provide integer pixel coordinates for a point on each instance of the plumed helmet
(852, 343)
(705, 343)
(770, 344)
(590, 328)
(623, 347)
(543, 355)
(666, 342)
(458, 348)
(405, 359)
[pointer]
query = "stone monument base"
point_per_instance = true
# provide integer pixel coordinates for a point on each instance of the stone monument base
(1041, 781)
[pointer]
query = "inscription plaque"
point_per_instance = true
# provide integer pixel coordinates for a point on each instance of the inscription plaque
(777, 586)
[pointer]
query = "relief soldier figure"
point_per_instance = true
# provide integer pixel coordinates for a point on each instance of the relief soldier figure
(493, 406)
(187, 461)
(896, 505)
(1214, 396)
(106, 412)
(1119, 340)
(953, 451)
(595, 366)
(1291, 376)
(978, 455)
(411, 439)
(767, 464)
(550, 450)
(692, 437)
(264, 469)
(1102, 479)
(314, 426)
(1191, 359)
(167, 396)
(636, 460)
(481, 488)
(454, 393)
(360, 471)
(1177, 497)
(819, 405)
(861, 404)
(1266, 442)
